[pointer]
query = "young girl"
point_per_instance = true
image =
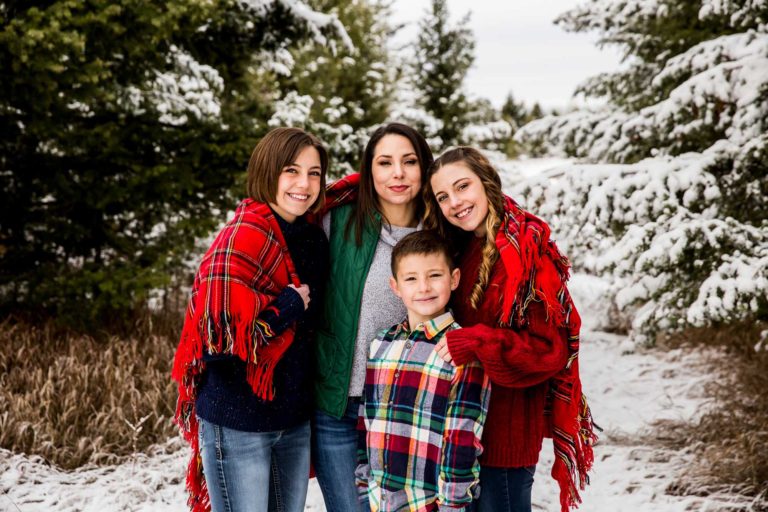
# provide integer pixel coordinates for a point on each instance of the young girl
(244, 362)
(526, 336)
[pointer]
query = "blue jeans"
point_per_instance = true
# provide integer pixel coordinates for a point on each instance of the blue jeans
(505, 489)
(255, 471)
(334, 454)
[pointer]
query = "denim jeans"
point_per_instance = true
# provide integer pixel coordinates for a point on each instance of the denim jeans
(505, 489)
(334, 455)
(255, 471)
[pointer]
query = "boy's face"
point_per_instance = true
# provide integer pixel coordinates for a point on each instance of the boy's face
(424, 283)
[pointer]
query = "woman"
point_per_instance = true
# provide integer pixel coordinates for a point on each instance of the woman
(244, 360)
(522, 327)
(359, 302)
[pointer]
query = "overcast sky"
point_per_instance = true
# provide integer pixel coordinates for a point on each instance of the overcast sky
(519, 49)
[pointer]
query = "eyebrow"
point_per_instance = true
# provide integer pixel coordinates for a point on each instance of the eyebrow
(390, 156)
(414, 272)
(294, 164)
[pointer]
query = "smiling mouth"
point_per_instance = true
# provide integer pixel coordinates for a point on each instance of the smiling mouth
(463, 213)
(298, 197)
(427, 299)
(399, 188)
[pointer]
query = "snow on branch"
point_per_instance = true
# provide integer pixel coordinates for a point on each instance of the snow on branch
(610, 16)
(739, 13)
(343, 142)
(723, 94)
(190, 88)
(680, 220)
(660, 228)
(318, 23)
(491, 135)
(187, 89)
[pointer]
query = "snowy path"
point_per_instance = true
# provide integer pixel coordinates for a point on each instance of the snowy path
(627, 393)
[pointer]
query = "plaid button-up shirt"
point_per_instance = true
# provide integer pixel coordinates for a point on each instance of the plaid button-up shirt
(422, 420)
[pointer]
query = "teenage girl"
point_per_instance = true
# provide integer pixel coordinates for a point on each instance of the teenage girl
(244, 363)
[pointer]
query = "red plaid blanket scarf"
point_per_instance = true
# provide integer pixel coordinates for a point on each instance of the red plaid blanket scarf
(537, 270)
(242, 272)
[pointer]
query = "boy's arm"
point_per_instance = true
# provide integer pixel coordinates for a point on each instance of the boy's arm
(467, 407)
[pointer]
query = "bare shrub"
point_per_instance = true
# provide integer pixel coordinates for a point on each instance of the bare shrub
(73, 399)
(730, 440)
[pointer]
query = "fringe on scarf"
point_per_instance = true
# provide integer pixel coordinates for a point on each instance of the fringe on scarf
(574, 456)
(242, 339)
(538, 271)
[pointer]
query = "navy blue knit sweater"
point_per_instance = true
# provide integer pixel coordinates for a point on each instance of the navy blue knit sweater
(225, 398)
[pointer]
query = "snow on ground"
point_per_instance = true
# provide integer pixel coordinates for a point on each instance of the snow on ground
(627, 390)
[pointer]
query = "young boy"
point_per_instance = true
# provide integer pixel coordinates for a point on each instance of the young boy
(422, 419)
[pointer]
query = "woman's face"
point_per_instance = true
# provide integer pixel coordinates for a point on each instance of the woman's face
(298, 185)
(396, 171)
(461, 197)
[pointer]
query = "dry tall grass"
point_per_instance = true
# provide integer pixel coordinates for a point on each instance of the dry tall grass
(731, 439)
(76, 400)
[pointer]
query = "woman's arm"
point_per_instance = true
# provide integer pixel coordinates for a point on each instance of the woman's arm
(510, 357)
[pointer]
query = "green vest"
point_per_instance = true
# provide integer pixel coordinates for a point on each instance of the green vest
(344, 293)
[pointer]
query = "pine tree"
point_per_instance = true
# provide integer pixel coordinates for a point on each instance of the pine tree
(514, 112)
(123, 126)
(444, 54)
(535, 113)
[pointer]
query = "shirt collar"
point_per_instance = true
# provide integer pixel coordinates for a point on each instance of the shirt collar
(431, 328)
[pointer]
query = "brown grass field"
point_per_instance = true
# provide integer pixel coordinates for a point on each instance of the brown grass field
(76, 400)
(731, 439)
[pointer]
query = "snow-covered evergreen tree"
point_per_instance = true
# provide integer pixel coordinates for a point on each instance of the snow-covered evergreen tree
(444, 54)
(682, 214)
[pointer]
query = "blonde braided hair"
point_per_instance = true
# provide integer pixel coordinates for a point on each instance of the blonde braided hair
(434, 219)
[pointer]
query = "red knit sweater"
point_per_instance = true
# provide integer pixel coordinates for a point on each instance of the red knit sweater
(518, 362)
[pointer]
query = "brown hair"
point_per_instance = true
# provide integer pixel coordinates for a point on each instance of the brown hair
(367, 200)
(434, 219)
(424, 242)
(275, 151)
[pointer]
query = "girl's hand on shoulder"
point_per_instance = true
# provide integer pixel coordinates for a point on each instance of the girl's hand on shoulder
(303, 290)
(442, 350)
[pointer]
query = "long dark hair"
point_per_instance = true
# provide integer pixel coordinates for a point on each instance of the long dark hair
(367, 204)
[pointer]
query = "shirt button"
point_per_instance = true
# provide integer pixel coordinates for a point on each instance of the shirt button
(397, 374)
(408, 345)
